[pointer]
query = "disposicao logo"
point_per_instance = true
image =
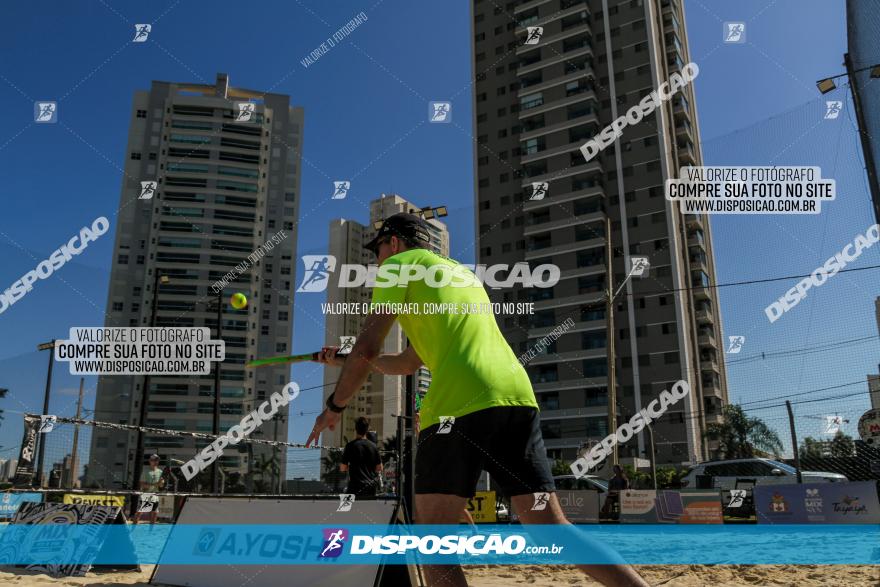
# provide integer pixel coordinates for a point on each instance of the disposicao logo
(334, 540)
(56, 261)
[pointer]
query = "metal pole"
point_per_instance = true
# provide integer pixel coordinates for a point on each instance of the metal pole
(609, 321)
(653, 455)
(74, 464)
(408, 461)
(40, 438)
(864, 136)
(794, 442)
(216, 428)
(138, 457)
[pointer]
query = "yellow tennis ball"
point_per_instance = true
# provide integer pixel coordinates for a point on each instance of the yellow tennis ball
(238, 301)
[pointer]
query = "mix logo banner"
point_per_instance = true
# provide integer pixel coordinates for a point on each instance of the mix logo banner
(9, 502)
(647, 506)
(97, 499)
(818, 503)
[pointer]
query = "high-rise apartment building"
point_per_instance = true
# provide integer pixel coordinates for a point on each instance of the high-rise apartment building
(227, 181)
(550, 75)
(382, 397)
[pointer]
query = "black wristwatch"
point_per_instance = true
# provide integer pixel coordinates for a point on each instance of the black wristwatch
(333, 407)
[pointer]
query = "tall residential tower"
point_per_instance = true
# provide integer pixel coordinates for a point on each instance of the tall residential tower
(225, 184)
(550, 75)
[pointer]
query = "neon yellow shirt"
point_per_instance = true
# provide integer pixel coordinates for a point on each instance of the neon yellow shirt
(472, 366)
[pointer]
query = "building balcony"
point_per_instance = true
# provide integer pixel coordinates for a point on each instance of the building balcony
(706, 339)
(701, 292)
(554, 59)
(560, 126)
(564, 248)
(550, 39)
(592, 167)
(580, 383)
(687, 155)
(562, 223)
(580, 355)
(693, 221)
(552, 82)
(699, 265)
(587, 298)
(560, 103)
(705, 316)
(683, 129)
(587, 412)
(553, 198)
(710, 365)
(565, 149)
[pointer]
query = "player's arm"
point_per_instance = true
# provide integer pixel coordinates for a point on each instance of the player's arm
(405, 363)
(355, 370)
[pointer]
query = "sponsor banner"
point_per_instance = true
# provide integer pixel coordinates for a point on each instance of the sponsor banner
(482, 507)
(24, 471)
(701, 507)
(581, 506)
(818, 503)
(9, 502)
(64, 540)
(212, 554)
(647, 506)
(202, 543)
(97, 499)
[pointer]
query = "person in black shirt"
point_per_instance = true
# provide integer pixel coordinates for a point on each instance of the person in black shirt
(361, 459)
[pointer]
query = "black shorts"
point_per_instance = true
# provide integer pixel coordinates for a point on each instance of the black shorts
(505, 441)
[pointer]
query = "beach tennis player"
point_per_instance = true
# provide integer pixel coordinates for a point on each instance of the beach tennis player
(479, 391)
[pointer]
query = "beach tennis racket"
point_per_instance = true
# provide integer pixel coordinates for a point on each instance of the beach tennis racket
(287, 359)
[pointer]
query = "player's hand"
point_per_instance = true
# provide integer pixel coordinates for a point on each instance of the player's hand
(327, 356)
(325, 419)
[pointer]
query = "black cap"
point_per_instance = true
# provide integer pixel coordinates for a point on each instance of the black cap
(404, 226)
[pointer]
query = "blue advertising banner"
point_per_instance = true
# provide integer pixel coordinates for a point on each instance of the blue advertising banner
(9, 502)
(818, 503)
(282, 545)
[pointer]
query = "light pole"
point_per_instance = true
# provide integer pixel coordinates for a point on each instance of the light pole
(50, 346)
(215, 468)
(138, 458)
(825, 86)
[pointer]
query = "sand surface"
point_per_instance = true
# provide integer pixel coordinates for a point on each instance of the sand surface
(552, 576)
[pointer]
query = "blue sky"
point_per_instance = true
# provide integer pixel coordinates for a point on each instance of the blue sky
(366, 104)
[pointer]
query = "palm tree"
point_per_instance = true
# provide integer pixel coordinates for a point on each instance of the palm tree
(330, 466)
(389, 448)
(740, 436)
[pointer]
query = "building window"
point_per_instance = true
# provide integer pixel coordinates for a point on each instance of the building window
(141, 114)
(122, 259)
(136, 156)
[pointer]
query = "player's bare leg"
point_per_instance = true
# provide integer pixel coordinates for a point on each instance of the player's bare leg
(438, 508)
(618, 575)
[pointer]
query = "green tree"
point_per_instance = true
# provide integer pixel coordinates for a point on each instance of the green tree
(740, 436)
(811, 448)
(560, 467)
(842, 445)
